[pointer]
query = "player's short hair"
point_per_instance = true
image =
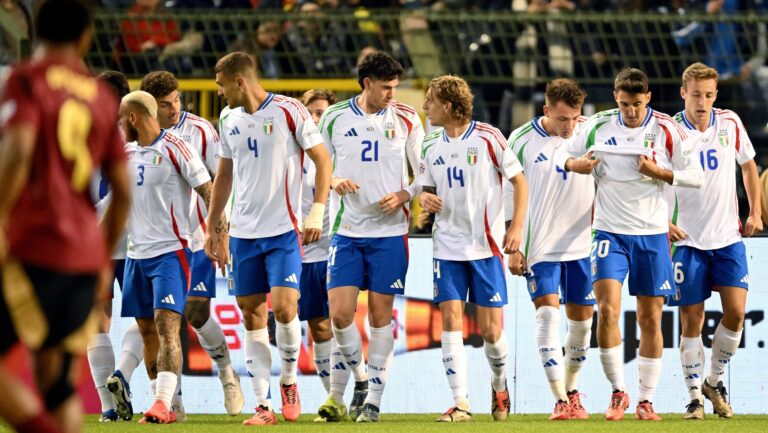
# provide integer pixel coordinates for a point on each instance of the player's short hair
(379, 66)
(62, 21)
(235, 63)
(699, 71)
(631, 80)
(159, 83)
(453, 89)
(117, 82)
(143, 100)
(313, 95)
(564, 90)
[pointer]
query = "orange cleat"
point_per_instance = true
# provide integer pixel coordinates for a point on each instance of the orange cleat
(577, 410)
(619, 403)
(645, 412)
(291, 402)
(500, 404)
(562, 411)
(159, 414)
(263, 416)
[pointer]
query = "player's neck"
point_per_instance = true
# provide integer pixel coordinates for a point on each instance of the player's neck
(254, 98)
(148, 134)
(66, 51)
(367, 108)
(547, 125)
(455, 128)
(701, 124)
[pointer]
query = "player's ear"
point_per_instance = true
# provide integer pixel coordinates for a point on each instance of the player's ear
(648, 97)
(682, 92)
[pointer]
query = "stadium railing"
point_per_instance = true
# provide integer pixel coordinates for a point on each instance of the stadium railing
(18, 38)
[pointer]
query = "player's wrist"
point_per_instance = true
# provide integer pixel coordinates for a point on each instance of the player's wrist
(314, 219)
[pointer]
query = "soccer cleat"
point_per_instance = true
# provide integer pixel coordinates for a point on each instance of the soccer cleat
(369, 413)
(500, 403)
(619, 403)
(177, 406)
(694, 410)
(645, 412)
(108, 415)
(332, 410)
(233, 395)
(577, 410)
(263, 416)
(456, 414)
(358, 399)
(562, 411)
(291, 401)
(159, 414)
(719, 398)
(121, 391)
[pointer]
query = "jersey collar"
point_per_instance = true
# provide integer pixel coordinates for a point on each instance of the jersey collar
(688, 124)
(539, 127)
(464, 136)
(270, 97)
(182, 118)
(359, 111)
(159, 138)
(647, 119)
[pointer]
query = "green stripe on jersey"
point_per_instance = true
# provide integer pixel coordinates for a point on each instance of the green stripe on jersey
(337, 222)
(592, 133)
(523, 130)
(527, 239)
(607, 113)
(429, 141)
(332, 109)
(330, 126)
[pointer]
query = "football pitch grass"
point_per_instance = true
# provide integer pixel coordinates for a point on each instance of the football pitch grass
(421, 423)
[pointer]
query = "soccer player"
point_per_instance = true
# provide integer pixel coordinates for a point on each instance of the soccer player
(264, 138)
(465, 164)
(201, 136)
(57, 124)
(101, 355)
(157, 271)
(373, 139)
(709, 253)
(632, 152)
(557, 237)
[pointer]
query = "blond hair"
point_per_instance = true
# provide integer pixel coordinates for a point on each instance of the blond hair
(142, 99)
(313, 95)
(453, 89)
(698, 72)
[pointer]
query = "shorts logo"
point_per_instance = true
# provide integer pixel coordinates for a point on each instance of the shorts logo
(665, 287)
(435, 292)
(472, 155)
(532, 286)
(200, 288)
(328, 277)
(396, 285)
(591, 296)
(292, 279)
(722, 136)
(168, 300)
(495, 298)
(594, 268)
(745, 279)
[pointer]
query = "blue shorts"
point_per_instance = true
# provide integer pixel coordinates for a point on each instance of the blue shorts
(203, 276)
(161, 282)
(698, 272)
(260, 264)
(313, 302)
(646, 258)
(119, 267)
(376, 264)
(571, 280)
(481, 282)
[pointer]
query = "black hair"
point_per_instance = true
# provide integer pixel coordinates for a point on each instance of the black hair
(62, 21)
(117, 82)
(379, 66)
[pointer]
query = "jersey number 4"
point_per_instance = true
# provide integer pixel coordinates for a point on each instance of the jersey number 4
(72, 132)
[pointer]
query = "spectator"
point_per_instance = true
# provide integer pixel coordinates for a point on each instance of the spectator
(212, 4)
(19, 12)
(325, 50)
(146, 36)
(270, 50)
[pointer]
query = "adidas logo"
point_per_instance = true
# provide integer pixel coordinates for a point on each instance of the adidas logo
(496, 298)
(200, 288)
(351, 133)
(745, 280)
(168, 300)
(579, 359)
(439, 161)
(339, 366)
(375, 380)
(292, 279)
(591, 296)
(666, 286)
(541, 158)
(691, 377)
(449, 372)
(396, 285)
(550, 363)
(499, 365)
(289, 359)
(235, 131)
(611, 141)
(323, 373)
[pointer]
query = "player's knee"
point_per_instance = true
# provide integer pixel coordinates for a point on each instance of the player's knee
(320, 330)
(607, 314)
(649, 323)
(733, 318)
(60, 388)
(691, 323)
(491, 335)
(197, 313)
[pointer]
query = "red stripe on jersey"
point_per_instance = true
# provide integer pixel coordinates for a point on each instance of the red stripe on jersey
(403, 107)
(489, 237)
(182, 256)
(300, 109)
(289, 120)
(407, 123)
(491, 152)
(668, 140)
(205, 141)
(176, 229)
(200, 216)
(174, 161)
(185, 152)
(738, 134)
(294, 221)
(493, 131)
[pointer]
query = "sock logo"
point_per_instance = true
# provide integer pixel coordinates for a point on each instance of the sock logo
(339, 366)
(449, 372)
(550, 363)
(323, 373)
(375, 380)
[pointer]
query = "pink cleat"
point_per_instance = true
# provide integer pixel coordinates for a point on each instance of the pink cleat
(562, 412)
(263, 416)
(291, 402)
(577, 410)
(619, 403)
(645, 412)
(158, 414)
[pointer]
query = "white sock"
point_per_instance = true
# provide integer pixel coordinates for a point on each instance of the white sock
(322, 359)
(497, 355)
(166, 387)
(724, 345)
(101, 359)
(258, 361)
(380, 351)
(153, 386)
(176, 402)
(132, 351)
(576, 347)
(288, 339)
(649, 371)
(550, 349)
(339, 372)
(613, 367)
(455, 365)
(350, 346)
(212, 339)
(692, 359)
(360, 372)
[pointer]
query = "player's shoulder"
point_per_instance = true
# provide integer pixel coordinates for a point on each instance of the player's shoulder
(662, 118)
(726, 114)
(196, 120)
(341, 107)
(430, 140)
(605, 114)
(488, 131)
(522, 132)
(403, 109)
(283, 102)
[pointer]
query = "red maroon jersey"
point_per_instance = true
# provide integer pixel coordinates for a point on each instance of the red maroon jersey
(54, 224)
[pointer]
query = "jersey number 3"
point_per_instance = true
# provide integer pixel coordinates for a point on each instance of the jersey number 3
(72, 131)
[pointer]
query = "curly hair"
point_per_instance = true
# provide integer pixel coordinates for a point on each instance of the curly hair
(159, 83)
(564, 90)
(453, 89)
(379, 66)
(631, 80)
(313, 95)
(698, 72)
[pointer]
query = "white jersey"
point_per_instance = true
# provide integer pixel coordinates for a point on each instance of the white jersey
(710, 215)
(626, 201)
(559, 220)
(372, 150)
(468, 173)
(267, 149)
(201, 136)
(122, 244)
(316, 251)
(166, 173)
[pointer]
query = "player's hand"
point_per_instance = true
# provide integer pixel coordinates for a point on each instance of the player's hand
(312, 227)
(430, 202)
(513, 238)
(753, 225)
(517, 263)
(676, 233)
(582, 165)
(345, 186)
(393, 201)
(217, 249)
(648, 167)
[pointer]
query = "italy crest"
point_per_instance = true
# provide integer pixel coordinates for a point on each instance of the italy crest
(472, 155)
